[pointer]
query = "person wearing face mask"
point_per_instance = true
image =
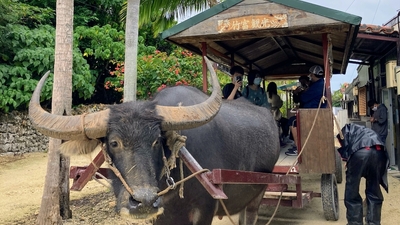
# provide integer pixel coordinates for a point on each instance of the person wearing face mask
(231, 91)
(253, 91)
(379, 122)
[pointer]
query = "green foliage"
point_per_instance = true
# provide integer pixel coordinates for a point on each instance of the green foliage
(103, 43)
(88, 12)
(97, 12)
(159, 70)
(337, 98)
(24, 14)
(147, 34)
(28, 54)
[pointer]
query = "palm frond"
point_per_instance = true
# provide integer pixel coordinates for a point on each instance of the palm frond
(162, 14)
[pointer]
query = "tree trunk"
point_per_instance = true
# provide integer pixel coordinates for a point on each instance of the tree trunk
(55, 193)
(131, 50)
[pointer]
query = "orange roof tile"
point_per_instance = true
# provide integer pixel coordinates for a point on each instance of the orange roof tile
(377, 29)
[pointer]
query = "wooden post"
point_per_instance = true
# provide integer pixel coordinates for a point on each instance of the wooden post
(397, 126)
(204, 53)
(327, 51)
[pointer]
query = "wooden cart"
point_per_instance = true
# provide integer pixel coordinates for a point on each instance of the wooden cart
(282, 39)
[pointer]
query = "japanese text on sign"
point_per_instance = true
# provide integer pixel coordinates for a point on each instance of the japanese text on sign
(253, 22)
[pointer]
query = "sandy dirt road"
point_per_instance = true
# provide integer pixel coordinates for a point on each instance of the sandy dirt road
(22, 179)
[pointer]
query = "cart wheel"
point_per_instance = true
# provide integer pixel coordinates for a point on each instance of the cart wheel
(339, 168)
(329, 195)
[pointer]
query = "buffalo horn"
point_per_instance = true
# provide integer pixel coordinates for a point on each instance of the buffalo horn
(93, 125)
(187, 117)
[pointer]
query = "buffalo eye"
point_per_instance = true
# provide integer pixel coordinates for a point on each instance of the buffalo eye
(114, 144)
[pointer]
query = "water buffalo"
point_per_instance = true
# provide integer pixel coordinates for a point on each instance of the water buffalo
(233, 135)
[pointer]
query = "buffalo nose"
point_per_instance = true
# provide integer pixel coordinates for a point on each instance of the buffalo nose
(144, 199)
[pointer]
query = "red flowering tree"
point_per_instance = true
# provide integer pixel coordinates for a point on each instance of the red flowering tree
(160, 70)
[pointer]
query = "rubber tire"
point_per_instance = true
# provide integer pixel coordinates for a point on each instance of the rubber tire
(338, 168)
(329, 195)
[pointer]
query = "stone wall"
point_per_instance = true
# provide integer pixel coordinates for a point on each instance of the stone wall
(18, 136)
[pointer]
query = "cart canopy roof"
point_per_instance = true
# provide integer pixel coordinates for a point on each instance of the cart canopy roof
(281, 38)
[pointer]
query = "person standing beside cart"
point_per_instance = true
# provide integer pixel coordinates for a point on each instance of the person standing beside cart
(379, 120)
(366, 157)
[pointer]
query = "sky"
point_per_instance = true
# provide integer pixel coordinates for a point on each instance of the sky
(375, 12)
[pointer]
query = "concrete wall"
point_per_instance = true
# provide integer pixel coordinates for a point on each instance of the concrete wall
(342, 119)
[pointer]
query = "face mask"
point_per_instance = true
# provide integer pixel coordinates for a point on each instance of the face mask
(257, 81)
(375, 108)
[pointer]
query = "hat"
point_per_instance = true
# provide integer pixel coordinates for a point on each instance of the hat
(317, 70)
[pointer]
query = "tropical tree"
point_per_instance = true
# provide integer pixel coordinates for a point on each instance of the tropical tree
(56, 187)
(131, 49)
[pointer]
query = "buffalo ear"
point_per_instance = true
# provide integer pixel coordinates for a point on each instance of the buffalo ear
(79, 147)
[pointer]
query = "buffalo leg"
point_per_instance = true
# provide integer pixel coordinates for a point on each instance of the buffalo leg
(249, 215)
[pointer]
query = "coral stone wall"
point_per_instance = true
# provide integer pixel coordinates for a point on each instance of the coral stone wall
(18, 136)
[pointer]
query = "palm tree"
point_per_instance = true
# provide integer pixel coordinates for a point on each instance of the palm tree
(131, 49)
(54, 193)
(162, 15)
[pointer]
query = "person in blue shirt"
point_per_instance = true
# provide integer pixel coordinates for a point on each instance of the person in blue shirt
(313, 95)
(309, 99)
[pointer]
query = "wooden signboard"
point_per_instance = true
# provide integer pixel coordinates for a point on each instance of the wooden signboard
(253, 22)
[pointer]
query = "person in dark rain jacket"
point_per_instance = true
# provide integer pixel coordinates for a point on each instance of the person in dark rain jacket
(366, 157)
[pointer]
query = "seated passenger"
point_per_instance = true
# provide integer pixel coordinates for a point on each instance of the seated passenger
(309, 99)
(231, 90)
(274, 99)
(276, 103)
(253, 91)
(304, 84)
